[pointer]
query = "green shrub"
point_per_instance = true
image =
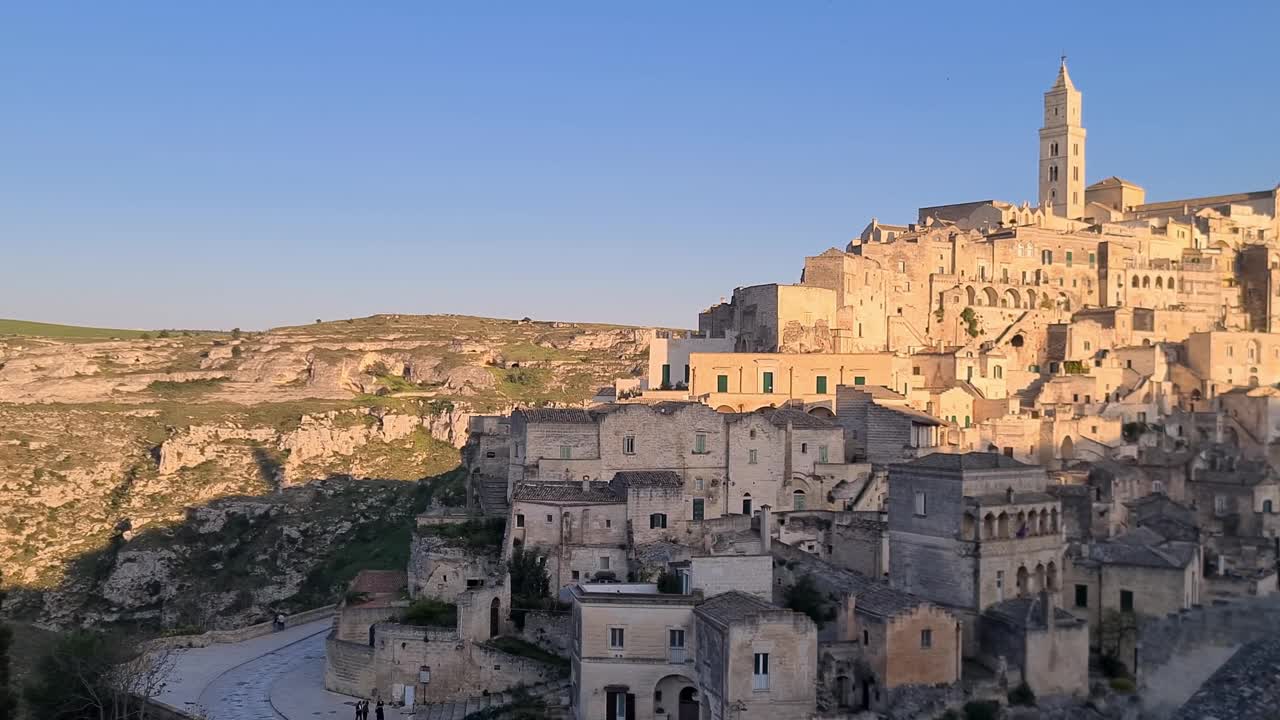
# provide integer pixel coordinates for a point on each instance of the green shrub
(1122, 685)
(474, 534)
(981, 710)
(669, 582)
(804, 597)
(1022, 695)
(431, 611)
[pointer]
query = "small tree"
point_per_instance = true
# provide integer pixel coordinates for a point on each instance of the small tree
(236, 351)
(95, 676)
(669, 582)
(970, 319)
(529, 578)
(235, 333)
(804, 597)
(1116, 631)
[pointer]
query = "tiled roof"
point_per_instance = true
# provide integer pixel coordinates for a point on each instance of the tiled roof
(1143, 547)
(648, 479)
(556, 415)
(779, 417)
(597, 492)
(379, 582)
(1246, 687)
(734, 606)
(1028, 613)
(871, 595)
(966, 461)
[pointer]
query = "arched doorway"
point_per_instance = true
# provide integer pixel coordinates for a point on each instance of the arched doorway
(746, 503)
(675, 697)
(991, 296)
(798, 500)
(1022, 581)
(868, 692)
(844, 688)
(689, 704)
(495, 624)
(1068, 451)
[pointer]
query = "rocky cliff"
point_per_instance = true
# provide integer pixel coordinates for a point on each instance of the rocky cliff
(208, 479)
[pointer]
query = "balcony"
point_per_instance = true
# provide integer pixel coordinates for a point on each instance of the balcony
(997, 547)
(677, 656)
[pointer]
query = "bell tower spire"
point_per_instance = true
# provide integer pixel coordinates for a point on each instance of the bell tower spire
(1062, 139)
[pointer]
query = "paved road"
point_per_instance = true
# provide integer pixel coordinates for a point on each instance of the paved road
(274, 677)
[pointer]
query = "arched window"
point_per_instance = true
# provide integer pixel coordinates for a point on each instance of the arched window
(1159, 282)
(798, 500)
(1146, 281)
(657, 520)
(1135, 281)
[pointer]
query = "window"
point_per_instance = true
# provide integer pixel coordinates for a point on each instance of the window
(866, 637)
(629, 445)
(608, 523)
(604, 562)
(804, 448)
(760, 673)
(966, 421)
(722, 383)
(998, 372)
(657, 521)
(617, 638)
(926, 638)
(700, 444)
(699, 510)
(1046, 257)
(822, 453)
(1157, 487)
(820, 385)
(1126, 601)
(920, 503)
(550, 519)
(666, 376)
(797, 500)
(1266, 506)
(859, 380)
(1082, 596)
(565, 452)
(1093, 259)
(915, 369)
(767, 382)
(999, 585)
(675, 642)
(698, 484)
(520, 520)
(753, 456)
(577, 575)
(1220, 504)
(1069, 257)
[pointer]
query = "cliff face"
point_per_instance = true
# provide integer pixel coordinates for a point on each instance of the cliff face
(124, 462)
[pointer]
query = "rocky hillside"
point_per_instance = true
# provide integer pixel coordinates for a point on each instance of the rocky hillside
(249, 472)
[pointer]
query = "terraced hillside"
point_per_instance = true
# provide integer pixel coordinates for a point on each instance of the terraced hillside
(252, 471)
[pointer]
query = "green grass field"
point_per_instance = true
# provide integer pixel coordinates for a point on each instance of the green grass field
(38, 329)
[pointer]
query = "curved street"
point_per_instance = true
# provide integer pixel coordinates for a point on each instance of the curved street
(275, 676)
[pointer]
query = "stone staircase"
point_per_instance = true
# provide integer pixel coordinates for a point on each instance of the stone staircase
(493, 496)
(554, 693)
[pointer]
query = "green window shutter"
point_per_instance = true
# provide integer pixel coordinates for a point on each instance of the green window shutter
(698, 509)
(821, 385)
(686, 374)
(768, 382)
(722, 383)
(859, 380)
(966, 421)
(666, 376)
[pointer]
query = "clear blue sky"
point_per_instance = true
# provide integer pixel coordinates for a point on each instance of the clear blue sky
(264, 163)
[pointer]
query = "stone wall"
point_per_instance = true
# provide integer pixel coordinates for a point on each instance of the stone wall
(249, 632)
(441, 570)
(549, 630)
(348, 667)
(1220, 624)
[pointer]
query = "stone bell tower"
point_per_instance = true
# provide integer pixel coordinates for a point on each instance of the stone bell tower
(1062, 148)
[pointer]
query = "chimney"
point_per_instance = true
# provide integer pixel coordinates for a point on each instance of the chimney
(1048, 607)
(586, 484)
(764, 530)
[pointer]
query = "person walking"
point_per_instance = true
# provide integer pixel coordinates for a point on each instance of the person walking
(359, 706)
(377, 713)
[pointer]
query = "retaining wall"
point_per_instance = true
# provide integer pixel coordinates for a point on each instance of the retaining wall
(214, 637)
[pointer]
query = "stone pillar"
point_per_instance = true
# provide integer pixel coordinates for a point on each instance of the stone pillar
(765, 538)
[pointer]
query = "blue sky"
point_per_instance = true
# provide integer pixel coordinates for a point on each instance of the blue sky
(255, 164)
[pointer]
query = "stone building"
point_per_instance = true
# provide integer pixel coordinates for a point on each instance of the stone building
(970, 530)
(755, 659)
(633, 653)
(1034, 641)
(1137, 572)
(581, 527)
